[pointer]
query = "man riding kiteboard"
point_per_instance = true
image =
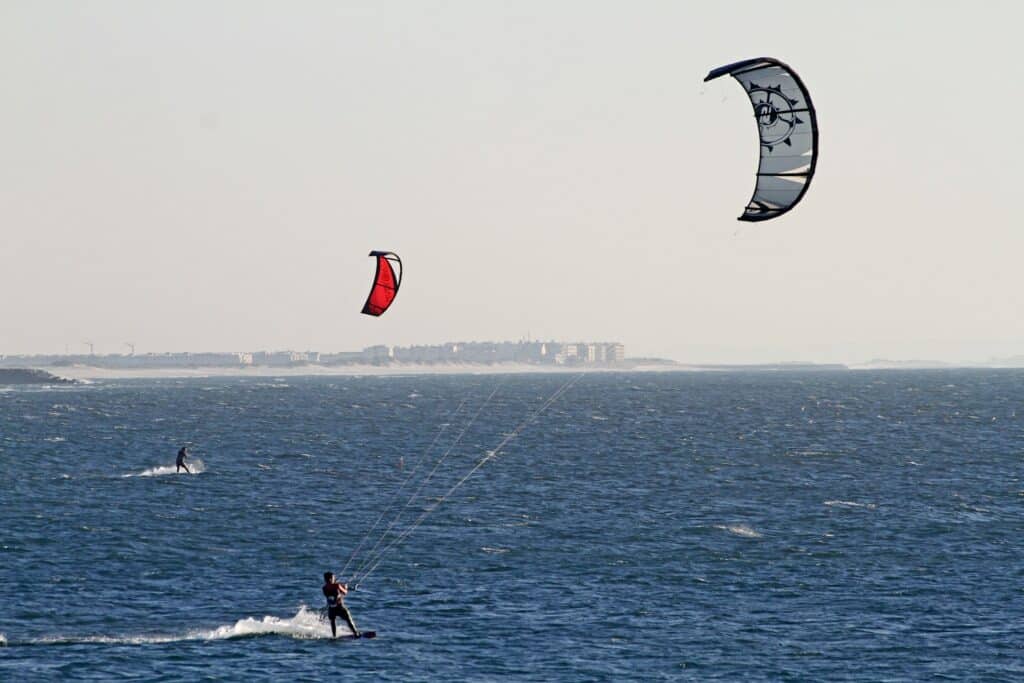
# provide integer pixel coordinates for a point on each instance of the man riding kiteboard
(180, 462)
(335, 593)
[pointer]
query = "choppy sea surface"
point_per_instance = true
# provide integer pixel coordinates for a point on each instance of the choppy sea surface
(776, 526)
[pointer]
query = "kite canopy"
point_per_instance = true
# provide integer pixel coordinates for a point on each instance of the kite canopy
(385, 283)
(788, 129)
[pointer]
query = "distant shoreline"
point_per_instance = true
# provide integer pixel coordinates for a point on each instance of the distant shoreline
(86, 372)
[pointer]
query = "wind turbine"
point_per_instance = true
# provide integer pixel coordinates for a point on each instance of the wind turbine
(130, 346)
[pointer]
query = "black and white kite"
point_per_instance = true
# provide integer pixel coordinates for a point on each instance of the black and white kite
(788, 129)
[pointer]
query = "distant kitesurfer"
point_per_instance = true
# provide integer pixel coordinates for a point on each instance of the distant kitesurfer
(335, 593)
(180, 462)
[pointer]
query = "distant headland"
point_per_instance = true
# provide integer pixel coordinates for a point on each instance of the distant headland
(30, 376)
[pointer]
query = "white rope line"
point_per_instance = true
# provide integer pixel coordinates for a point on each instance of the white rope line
(490, 456)
(370, 555)
(394, 495)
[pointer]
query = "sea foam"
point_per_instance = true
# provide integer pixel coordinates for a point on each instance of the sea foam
(306, 624)
(850, 504)
(194, 464)
(739, 530)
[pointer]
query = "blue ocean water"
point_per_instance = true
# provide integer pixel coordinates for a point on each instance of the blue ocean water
(661, 526)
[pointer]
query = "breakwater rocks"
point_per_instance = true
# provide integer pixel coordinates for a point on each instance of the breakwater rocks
(29, 376)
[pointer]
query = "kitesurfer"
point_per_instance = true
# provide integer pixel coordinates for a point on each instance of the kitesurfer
(335, 593)
(180, 462)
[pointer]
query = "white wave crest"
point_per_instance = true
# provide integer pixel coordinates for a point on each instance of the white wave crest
(739, 530)
(305, 624)
(850, 504)
(194, 464)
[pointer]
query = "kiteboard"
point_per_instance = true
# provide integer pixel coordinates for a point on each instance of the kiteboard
(364, 634)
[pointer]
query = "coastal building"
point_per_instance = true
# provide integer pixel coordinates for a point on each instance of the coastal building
(281, 358)
(171, 360)
(342, 358)
(379, 354)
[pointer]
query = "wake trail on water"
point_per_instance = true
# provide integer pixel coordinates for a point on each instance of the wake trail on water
(739, 530)
(194, 464)
(850, 504)
(306, 624)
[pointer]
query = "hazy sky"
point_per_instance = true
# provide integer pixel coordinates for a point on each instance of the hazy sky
(211, 175)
